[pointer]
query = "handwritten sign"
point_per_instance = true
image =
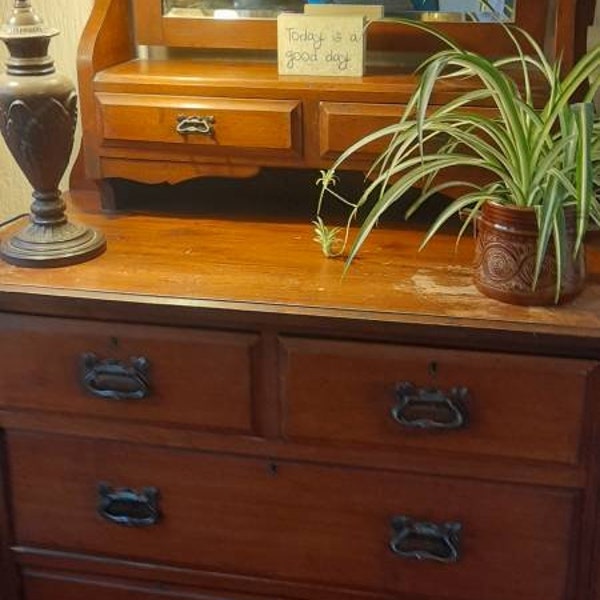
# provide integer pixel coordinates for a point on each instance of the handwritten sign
(321, 45)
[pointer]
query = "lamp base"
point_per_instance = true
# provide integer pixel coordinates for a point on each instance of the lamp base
(52, 245)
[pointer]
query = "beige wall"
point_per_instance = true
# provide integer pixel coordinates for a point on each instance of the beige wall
(69, 17)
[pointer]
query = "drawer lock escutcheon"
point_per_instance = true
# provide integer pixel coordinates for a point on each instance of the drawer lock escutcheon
(114, 379)
(127, 507)
(195, 125)
(422, 540)
(430, 408)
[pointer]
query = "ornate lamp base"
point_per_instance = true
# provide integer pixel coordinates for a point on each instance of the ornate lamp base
(52, 245)
(38, 113)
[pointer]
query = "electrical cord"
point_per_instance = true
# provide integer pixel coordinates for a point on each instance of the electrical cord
(12, 219)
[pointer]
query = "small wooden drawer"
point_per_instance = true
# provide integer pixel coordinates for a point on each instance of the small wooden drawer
(340, 527)
(209, 123)
(185, 377)
(396, 397)
(344, 123)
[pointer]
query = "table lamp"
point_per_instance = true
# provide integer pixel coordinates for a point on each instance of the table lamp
(38, 114)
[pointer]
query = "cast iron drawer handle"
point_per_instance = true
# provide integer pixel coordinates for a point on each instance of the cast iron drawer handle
(127, 507)
(113, 379)
(195, 125)
(439, 542)
(430, 408)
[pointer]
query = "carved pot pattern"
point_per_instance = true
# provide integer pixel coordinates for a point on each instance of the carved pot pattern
(505, 256)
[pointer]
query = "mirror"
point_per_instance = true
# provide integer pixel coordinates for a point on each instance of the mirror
(424, 10)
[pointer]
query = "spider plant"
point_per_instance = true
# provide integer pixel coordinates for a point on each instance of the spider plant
(537, 156)
(596, 155)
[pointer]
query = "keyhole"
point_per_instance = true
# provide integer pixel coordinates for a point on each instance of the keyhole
(432, 369)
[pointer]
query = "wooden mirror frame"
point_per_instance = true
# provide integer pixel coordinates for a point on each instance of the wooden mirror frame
(551, 22)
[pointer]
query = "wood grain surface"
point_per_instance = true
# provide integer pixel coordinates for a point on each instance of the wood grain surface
(277, 267)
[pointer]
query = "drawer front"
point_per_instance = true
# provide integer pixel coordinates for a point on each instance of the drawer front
(56, 586)
(341, 527)
(341, 124)
(469, 402)
(344, 123)
(210, 123)
(153, 374)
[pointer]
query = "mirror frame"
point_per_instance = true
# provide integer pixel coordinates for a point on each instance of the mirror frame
(550, 22)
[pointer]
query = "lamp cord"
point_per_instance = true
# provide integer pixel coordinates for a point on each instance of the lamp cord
(13, 219)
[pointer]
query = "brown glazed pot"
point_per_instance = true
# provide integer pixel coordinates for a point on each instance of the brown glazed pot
(505, 250)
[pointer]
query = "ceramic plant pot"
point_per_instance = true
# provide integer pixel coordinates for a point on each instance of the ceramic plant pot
(505, 256)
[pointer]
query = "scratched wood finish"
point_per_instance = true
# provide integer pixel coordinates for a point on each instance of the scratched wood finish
(277, 267)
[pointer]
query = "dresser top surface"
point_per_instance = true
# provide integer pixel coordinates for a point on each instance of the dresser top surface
(383, 83)
(277, 268)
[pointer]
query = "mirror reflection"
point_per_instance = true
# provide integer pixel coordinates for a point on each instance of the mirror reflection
(425, 10)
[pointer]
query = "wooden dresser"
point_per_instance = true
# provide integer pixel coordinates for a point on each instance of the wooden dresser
(208, 411)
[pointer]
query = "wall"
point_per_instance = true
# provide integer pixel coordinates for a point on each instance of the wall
(69, 16)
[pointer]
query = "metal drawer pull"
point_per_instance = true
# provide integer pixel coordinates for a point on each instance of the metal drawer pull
(195, 125)
(426, 541)
(114, 380)
(127, 507)
(430, 408)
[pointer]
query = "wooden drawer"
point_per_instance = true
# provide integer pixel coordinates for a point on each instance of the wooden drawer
(515, 406)
(341, 124)
(344, 123)
(313, 524)
(244, 124)
(75, 586)
(187, 377)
